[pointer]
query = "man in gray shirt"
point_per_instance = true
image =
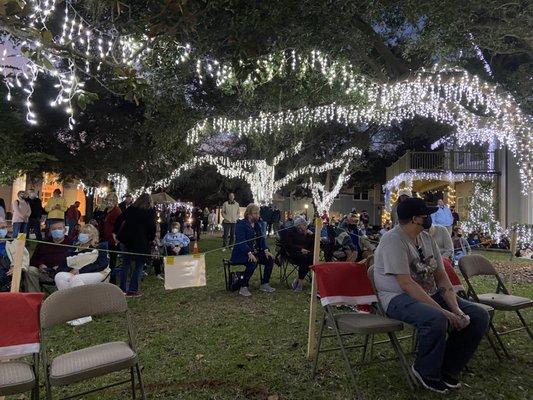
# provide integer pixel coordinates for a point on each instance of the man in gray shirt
(413, 287)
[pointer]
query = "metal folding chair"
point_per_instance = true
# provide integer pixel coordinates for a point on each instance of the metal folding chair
(333, 279)
(90, 362)
(501, 300)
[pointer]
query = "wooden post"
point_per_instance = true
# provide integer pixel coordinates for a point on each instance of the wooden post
(20, 242)
(311, 339)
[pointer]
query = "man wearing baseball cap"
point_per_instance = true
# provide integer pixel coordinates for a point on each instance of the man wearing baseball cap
(413, 287)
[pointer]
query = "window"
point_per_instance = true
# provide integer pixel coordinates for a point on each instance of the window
(360, 193)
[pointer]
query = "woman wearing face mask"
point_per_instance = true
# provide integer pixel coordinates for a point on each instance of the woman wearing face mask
(21, 213)
(85, 264)
(175, 242)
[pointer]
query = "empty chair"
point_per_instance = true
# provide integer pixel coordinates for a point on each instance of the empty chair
(501, 300)
(98, 360)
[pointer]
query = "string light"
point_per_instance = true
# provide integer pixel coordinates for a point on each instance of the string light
(322, 197)
(481, 216)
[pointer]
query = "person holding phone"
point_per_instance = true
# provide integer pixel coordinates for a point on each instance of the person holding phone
(413, 287)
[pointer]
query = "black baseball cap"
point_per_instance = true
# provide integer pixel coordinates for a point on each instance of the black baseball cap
(412, 207)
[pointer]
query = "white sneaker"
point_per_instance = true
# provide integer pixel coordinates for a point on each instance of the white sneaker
(265, 287)
(243, 291)
(80, 321)
(160, 276)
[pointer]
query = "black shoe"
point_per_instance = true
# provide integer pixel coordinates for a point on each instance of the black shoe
(435, 386)
(451, 382)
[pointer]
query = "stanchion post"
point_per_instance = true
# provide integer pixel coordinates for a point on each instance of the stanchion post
(20, 242)
(313, 303)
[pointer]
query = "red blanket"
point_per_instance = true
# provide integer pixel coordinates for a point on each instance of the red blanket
(19, 323)
(343, 282)
(452, 275)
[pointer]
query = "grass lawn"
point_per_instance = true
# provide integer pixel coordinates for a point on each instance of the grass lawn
(206, 343)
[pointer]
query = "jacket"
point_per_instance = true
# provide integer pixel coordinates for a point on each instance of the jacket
(294, 241)
(21, 211)
(248, 238)
(36, 207)
(135, 228)
(109, 224)
(230, 212)
(54, 213)
(86, 260)
(73, 214)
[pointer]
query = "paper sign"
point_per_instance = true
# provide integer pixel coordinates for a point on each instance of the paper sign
(184, 271)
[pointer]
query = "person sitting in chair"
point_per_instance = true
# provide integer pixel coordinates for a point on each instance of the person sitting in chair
(176, 242)
(251, 249)
(413, 287)
(299, 243)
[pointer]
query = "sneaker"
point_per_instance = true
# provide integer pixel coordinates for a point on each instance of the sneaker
(451, 382)
(134, 294)
(295, 286)
(80, 321)
(435, 386)
(243, 291)
(265, 287)
(160, 276)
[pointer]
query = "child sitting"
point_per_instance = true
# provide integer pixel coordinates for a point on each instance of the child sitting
(176, 242)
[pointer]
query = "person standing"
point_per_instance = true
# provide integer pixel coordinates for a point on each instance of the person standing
(56, 207)
(135, 229)
(275, 220)
(265, 212)
(443, 216)
(73, 215)
(2, 209)
(21, 213)
(455, 216)
(128, 200)
(198, 216)
(37, 211)
(413, 287)
(205, 220)
(230, 215)
(109, 223)
(212, 221)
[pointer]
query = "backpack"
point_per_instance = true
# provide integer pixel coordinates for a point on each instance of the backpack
(235, 280)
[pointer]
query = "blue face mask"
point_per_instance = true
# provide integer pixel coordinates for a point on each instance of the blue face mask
(83, 238)
(58, 234)
(3, 233)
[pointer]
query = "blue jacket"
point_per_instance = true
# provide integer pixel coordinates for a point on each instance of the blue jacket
(245, 234)
(443, 217)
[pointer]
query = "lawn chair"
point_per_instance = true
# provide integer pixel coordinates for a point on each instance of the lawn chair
(345, 283)
(19, 327)
(473, 265)
(90, 362)
(286, 267)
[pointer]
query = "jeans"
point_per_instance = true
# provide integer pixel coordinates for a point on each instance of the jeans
(18, 227)
(136, 274)
(228, 229)
(437, 354)
(303, 261)
(250, 268)
(35, 224)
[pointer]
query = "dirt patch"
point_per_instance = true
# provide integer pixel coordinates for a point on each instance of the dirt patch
(514, 272)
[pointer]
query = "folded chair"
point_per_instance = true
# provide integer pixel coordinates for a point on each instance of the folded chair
(94, 361)
(346, 283)
(474, 265)
(19, 337)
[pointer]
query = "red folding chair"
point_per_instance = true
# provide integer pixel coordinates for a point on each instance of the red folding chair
(347, 283)
(19, 337)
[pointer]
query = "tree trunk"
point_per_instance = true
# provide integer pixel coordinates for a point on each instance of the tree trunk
(89, 207)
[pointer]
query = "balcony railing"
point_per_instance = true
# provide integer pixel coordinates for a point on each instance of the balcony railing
(455, 161)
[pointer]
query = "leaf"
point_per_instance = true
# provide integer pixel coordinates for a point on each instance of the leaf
(46, 36)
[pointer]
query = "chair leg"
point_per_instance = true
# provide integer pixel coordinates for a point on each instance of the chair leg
(365, 346)
(499, 339)
(141, 382)
(133, 391)
(395, 343)
(371, 348)
(494, 348)
(414, 341)
(319, 344)
(347, 363)
(524, 323)
(48, 386)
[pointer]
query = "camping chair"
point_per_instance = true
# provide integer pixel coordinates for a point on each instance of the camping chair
(20, 337)
(475, 264)
(94, 361)
(228, 265)
(345, 283)
(286, 267)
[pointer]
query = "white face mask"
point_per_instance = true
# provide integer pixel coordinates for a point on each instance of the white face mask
(175, 230)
